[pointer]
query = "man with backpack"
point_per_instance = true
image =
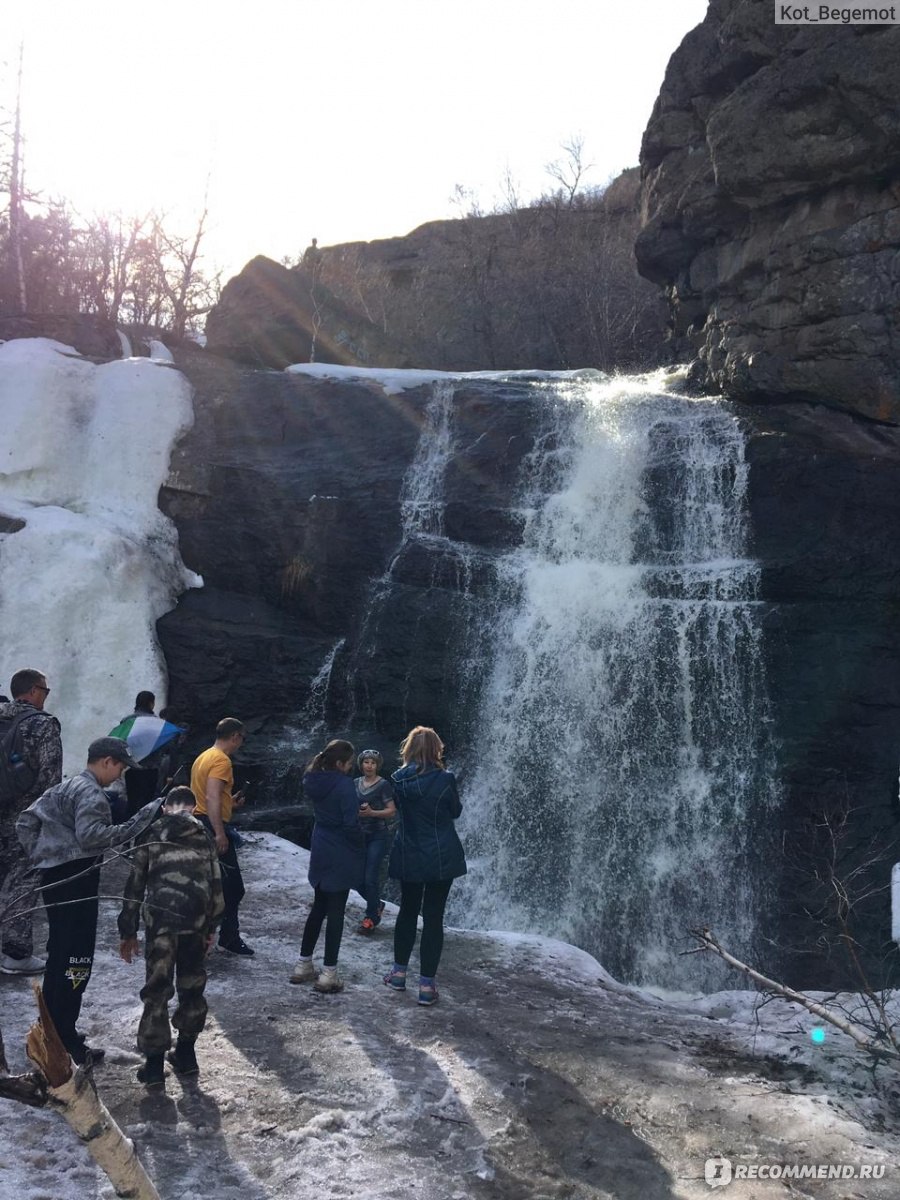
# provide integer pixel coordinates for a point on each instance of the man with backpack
(30, 762)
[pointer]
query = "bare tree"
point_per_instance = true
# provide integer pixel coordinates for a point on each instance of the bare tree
(570, 171)
(16, 198)
(187, 289)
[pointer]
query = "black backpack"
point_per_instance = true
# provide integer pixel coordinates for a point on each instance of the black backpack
(16, 775)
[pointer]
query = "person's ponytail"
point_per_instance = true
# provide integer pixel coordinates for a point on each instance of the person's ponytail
(337, 751)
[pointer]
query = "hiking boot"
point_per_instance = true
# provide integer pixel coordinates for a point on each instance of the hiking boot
(152, 1073)
(183, 1058)
(328, 981)
(236, 946)
(396, 978)
(304, 972)
(21, 966)
(367, 925)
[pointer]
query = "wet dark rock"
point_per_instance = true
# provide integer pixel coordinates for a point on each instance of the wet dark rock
(825, 520)
(287, 497)
(89, 335)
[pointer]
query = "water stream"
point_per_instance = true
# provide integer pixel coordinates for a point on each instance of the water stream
(618, 786)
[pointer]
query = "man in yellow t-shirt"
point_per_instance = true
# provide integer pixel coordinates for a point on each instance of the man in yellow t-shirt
(212, 782)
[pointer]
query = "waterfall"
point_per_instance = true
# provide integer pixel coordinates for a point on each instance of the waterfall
(422, 495)
(312, 718)
(619, 781)
(425, 557)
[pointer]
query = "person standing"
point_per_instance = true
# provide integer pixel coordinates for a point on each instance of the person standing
(336, 860)
(376, 814)
(426, 858)
(140, 782)
(175, 874)
(32, 737)
(212, 782)
(64, 833)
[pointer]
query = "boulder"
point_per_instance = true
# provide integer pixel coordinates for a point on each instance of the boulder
(272, 316)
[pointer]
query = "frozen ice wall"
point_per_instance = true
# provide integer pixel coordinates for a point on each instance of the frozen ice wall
(88, 563)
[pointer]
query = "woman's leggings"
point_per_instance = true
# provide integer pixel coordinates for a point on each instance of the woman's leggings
(328, 907)
(430, 899)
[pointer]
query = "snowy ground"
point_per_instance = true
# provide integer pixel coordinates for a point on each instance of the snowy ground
(535, 1077)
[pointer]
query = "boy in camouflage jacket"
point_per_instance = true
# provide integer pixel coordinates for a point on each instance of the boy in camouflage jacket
(175, 872)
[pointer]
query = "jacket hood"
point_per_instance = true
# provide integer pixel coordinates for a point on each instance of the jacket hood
(411, 771)
(177, 827)
(318, 784)
(13, 707)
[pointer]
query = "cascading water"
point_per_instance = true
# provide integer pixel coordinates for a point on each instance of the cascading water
(426, 557)
(620, 778)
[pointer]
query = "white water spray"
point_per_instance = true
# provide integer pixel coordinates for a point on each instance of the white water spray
(620, 769)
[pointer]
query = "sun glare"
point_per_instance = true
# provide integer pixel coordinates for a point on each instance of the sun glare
(339, 120)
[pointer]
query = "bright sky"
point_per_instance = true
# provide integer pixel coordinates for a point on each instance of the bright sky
(340, 119)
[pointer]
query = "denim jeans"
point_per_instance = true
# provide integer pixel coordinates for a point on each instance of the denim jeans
(376, 851)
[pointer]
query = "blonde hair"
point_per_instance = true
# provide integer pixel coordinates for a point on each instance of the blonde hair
(423, 747)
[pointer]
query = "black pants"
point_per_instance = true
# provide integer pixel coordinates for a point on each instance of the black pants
(232, 887)
(430, 899)
(140, 787)
(328, 907)
(70, 895)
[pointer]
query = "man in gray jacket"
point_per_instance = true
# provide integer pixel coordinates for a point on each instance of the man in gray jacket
(64, 833)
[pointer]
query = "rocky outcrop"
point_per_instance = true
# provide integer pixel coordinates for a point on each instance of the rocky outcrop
(771, 208)
(547, 287)
(88, 335)
(269, 316)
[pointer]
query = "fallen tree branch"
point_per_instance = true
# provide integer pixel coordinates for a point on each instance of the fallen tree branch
(75, 1097)
(877, 1046)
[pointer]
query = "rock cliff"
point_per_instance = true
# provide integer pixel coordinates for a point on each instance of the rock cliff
(771, 208)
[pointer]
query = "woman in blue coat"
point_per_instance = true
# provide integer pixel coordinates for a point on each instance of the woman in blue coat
(337, 860)
(426, 858)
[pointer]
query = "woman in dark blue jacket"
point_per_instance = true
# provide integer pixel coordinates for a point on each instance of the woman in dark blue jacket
(426, 858)
(336, 860)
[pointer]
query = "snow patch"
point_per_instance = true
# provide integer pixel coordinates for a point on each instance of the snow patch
(84, 450)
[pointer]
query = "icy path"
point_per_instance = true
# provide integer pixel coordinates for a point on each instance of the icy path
(533, 1078)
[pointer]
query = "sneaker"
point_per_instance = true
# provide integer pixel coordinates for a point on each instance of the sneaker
(152, 1073)
(236, 946)
(396, 979)
(367, 925)
(183, 1058)
(304, 972)
(21, 966)
(428, 994)
(328, 981)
